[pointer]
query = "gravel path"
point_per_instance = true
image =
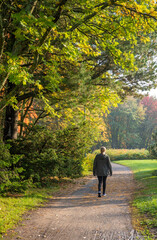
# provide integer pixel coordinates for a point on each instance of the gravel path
(81, 215)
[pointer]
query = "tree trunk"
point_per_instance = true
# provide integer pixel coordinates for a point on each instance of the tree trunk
(10, 124)
(1, 125)
(10, 119)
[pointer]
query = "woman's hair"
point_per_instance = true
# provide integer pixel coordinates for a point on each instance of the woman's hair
(103, 149)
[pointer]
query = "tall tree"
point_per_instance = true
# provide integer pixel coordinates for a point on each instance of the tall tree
(153, 146)
(149, 125)
(124, 122)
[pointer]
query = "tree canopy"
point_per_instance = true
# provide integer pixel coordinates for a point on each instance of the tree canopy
(66, 53)
(44, 43)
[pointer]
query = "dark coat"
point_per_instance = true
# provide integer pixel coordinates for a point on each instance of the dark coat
(102, 165)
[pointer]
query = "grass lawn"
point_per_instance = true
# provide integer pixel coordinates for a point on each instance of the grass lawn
(146, 196)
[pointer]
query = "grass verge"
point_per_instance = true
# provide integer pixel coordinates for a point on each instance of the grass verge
(13, 206)
(145, 198)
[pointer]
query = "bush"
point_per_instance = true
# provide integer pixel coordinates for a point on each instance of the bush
(45, 154)
(126, 154)
(38, 155)
(87, 164)
(11, 179)
(42, 153)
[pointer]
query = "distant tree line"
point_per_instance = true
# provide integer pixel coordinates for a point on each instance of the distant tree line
(132, 123)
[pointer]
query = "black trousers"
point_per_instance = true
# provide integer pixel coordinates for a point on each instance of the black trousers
(102, 179)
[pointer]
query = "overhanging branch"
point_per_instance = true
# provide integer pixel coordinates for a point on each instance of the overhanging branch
(134, 10)
(90, 16)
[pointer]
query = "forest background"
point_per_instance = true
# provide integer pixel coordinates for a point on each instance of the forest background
(66, 69)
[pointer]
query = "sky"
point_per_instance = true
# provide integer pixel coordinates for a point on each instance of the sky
(153, 92)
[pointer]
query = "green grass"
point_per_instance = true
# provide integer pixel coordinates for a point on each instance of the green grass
(12, 207)
(146, 197)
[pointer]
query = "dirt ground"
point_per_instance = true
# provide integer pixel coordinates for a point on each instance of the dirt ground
(77, 214)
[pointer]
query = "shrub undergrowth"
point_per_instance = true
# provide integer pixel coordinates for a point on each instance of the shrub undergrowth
(126, 154)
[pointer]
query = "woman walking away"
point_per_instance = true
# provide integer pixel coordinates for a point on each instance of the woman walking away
(102, 168)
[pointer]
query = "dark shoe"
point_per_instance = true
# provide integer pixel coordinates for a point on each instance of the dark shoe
(99, 194)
